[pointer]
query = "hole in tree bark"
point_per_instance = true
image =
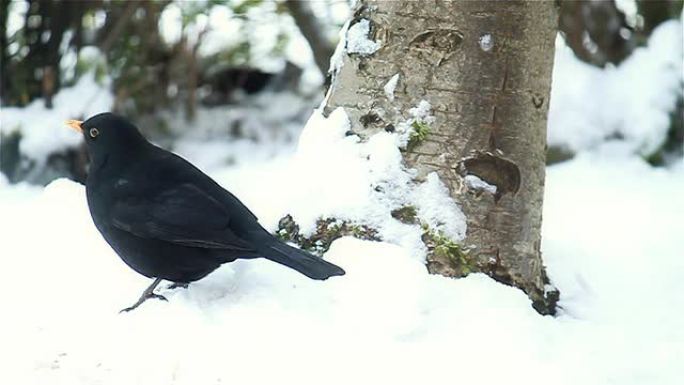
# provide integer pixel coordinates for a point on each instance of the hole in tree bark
(494, 170)
(445, 40)
(538, 101)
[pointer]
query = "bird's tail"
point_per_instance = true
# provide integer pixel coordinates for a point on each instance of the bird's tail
(305, 263)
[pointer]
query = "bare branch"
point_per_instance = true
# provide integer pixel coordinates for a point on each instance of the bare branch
(313, 32)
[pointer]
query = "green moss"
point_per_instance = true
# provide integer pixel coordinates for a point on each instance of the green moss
(420, 132)
(446, 256)
(327, 230)
(406, 214)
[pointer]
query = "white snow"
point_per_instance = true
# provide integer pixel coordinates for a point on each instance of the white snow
(363, 182)
(43, 131)
(358, 41)
(612, 244)
(16, 16)
(611, 241)
(390, 86)
(475, 183)
(437, 209)
(629, 8)
(268, 117)
(337, 59)
(272, 36)
(630, 103)
(486, 42)
(422, 113)
(353, 39)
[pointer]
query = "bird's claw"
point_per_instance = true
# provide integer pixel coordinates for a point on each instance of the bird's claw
(158, 296)
(126, 310)
(142, 299)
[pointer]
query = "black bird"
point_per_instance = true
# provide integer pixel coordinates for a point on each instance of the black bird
(165, 218)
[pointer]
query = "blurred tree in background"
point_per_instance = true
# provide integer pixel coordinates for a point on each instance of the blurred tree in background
(601, 34)
(127, 41)
(45, 50)
(162, 57)
(150, 73)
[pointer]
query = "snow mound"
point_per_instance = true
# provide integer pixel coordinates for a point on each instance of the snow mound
(630, 102)
(339, 176)
(386, 321)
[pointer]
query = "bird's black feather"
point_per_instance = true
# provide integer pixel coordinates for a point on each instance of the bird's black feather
(178, 214)
(166, 218)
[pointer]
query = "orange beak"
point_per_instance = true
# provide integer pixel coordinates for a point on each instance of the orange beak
(75, 124)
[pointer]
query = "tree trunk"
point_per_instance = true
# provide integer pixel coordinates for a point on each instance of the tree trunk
(485, 68)
(4, 54)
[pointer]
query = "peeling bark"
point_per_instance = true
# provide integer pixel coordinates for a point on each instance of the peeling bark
(485, 68)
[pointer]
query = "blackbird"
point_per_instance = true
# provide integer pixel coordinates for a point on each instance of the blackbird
(165, 218)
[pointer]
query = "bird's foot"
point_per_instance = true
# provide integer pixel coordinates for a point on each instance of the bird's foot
(147, 294)
(143, 299)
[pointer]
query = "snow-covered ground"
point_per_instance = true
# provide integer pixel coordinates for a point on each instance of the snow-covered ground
(612, 243)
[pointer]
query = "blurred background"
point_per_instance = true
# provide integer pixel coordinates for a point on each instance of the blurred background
(229, 81)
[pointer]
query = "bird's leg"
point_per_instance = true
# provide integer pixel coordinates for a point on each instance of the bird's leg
(147, 294)
(176, 285)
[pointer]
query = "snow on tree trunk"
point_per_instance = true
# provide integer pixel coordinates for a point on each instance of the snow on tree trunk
(484, 67)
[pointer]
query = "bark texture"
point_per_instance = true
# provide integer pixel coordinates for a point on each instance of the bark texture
(485, 68)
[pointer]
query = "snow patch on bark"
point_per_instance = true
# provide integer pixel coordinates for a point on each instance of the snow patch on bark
(486, 42)
(475, 183)
(422, 111)
(358, 41)
(437, 208)
(390, 86)
(419, 115)
(337, 59)
(365, 181)
(353, 40)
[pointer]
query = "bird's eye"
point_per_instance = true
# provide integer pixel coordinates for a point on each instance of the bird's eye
(94, 132)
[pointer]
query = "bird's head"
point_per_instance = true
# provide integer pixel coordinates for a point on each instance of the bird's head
(107, 134)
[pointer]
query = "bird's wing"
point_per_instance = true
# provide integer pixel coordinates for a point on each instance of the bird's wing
(182, 214)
